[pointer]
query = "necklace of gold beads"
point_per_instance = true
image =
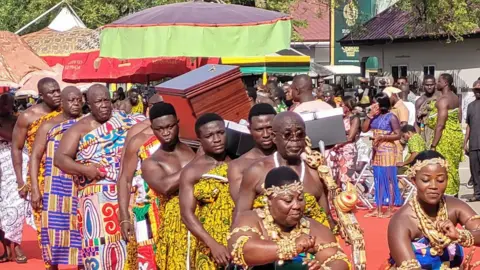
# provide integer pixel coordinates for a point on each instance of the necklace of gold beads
(438, 240)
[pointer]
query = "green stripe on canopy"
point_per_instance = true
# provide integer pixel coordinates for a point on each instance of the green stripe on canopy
(274, 70)
(195, 41)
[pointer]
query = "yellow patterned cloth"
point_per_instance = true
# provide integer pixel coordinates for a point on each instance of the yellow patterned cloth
(312, 209)
(139, 107)
(31, 134)
(173, 246)
(215, 208)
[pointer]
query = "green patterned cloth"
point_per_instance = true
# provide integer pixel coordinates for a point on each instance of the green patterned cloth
(282, 107)
(416, 144)
(450, 145)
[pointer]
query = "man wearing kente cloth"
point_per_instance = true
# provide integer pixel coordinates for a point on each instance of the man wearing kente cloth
(26, 129)
(12, 207)
(91, 149)
(144, 226)
(162, 173)
(204, 183)
(60, 238)
(289, 138)
(260, 124)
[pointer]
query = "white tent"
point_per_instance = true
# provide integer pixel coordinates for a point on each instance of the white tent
(66, 20)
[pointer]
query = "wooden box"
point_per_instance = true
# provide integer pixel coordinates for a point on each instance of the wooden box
(210, 88)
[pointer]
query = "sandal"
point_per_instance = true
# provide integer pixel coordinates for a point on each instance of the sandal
(4, 258)
(21, 259)
(372, 214)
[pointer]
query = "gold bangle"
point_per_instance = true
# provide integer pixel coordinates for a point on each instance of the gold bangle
(237, 251)
(327, 245)
(125, 221)
(286, 250)
(409, 264)
(24, 186)
(244, 229)
(339, 255)
(466, 238)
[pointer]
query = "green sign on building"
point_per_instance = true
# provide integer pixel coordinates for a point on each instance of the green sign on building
(345, 16)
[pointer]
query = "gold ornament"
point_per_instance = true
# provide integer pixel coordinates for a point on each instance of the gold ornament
(409, 264)
(339, 255)
(420, 164)
(244, 229)
(275, 191)
(237, 251)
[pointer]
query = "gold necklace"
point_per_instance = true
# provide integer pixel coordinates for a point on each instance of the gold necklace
(438, 240)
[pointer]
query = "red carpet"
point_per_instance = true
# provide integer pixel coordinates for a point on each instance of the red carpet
(375, 231)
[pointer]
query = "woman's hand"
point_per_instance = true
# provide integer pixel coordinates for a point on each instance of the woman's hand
(304, 243)
(36, 199)
(313, 265)
(448, 229)
(378, 139)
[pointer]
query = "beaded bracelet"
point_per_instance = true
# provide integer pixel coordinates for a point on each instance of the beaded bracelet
(286, 250)
(409, 264)
(244, 229)
(466, 238)
(237, 251)
(339, 255)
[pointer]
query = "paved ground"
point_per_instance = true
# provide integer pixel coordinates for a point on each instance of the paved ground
(466, 193)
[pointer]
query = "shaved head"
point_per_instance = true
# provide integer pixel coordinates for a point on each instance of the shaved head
(6, 104)
(46, 83)
(154, 99)
(284, 119)
(303, 83)
(95, 90)
(70, 89)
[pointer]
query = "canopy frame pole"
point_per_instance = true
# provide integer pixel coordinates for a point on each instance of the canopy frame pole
(39, 17)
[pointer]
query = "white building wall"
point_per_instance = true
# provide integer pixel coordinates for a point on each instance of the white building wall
(461, 59)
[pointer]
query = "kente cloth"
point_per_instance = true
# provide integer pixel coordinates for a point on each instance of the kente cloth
(384, 163)
(102, 244)
(147, 214)
(60, 238)
(13, 209)
(450, 145)
(215, 209)
(452, 255)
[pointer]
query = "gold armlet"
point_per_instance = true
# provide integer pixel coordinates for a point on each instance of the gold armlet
(244, 229)
(286, 250)
(409, 264)
(339, 255)
(237, 252)
(466, 238)
(325, 246)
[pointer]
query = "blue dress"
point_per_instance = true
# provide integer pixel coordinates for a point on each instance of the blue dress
(452, 255)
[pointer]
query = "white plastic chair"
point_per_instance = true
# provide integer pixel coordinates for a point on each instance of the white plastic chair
(409, 188)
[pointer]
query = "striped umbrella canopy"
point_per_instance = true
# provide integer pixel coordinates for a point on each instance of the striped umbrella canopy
(197, 29)
(54, 46)
(17, 60)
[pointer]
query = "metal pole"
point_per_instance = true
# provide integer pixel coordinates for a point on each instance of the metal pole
(39, 17)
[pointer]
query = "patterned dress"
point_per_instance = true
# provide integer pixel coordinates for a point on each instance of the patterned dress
(60, 237)
(13, 209)
(146, 213)
(450, 145)
(384, 163)
(102, 244)
(416, 144)
(215, 209)
(31, 134)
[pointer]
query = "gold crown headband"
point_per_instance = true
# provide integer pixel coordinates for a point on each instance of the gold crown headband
(295, 187)
(420, 164)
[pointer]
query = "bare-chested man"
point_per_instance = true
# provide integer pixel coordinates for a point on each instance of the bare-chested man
(260, 124)
(60, 242)
(132, 103)
(11, 226)
(289, 137)
(162, 172)
(28, 123)
(204, 183)
(91, 149)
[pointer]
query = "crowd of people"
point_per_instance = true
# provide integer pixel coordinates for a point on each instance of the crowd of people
(110, 185)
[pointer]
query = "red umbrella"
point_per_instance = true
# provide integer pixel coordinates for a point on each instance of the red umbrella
(85, 65)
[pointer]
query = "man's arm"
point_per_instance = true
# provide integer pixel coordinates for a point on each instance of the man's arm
(234, 179)
(248, 191)
(418, 104)
(129, 164)
(467, 133)
(65, 155)
(158, 180)
(18, 142)
(6, 130)
(38, 150)
(323, 201)
(442, 115)
(188, 204)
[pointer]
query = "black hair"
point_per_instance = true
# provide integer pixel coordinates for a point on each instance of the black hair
(383, 102)
(161, 109)
(407, 128)
(403, 78)
(447, 77)
(279, 93)
(427, 154)
(205, 119)
(280, 176)
(428, 77)
(349, 101)
(44, 81)
(252, 93)
(260, 109)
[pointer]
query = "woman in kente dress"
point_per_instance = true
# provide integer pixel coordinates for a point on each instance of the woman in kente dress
(447, 136)
(279, 236)
(424, 233)
(386, 130)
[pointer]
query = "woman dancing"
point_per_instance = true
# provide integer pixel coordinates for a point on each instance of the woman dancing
(423, 234)
(279, 235)
(386, 130)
